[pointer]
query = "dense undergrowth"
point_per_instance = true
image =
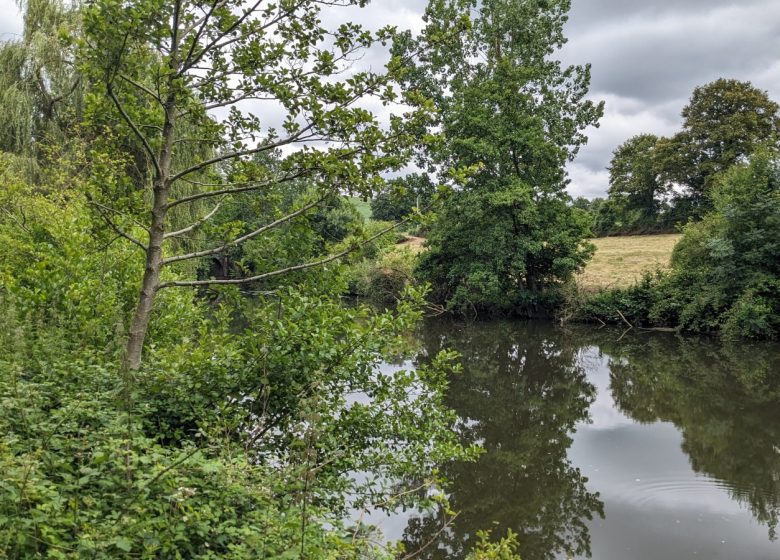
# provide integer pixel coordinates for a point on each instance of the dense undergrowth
(725, 274)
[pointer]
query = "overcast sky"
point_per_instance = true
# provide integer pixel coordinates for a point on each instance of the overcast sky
(647, 57)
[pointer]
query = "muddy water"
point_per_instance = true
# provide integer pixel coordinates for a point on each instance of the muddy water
(637, 446)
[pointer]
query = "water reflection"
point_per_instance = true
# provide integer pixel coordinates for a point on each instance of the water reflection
(637, 447)
(521, 394)
(725, 400)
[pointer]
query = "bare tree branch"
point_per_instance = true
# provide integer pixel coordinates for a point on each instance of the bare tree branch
(304, 266)
(135, 129)
(194, 225)
(239, 240)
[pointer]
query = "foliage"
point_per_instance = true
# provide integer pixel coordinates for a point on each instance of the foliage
(240, 435)
(314, 234)
(636, 193)
(727, 265)
(725, 122)
(725, 276)
(511, 117)
(41, 97)
(504, 252)
(383, 279)
(505, 549)
(402, 196)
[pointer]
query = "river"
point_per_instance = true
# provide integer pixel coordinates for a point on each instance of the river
(604, 444)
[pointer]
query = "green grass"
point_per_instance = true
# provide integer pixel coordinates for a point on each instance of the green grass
(363, 206)
(620, 261)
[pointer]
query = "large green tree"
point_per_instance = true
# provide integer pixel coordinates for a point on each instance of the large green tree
(635, 187)
(177, 78)
(402, 196)
(512, 116)
(41, 94)
(724, 122)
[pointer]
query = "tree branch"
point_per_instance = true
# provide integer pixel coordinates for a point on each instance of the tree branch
(234, 190)
(304, 266)
(101, 210)
(135, 129)
(241, 153)
(247, 237)
(190, 61)
(142, 88)
(195, 225)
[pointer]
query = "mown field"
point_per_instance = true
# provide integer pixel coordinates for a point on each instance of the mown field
(620, 261)
(363, 206)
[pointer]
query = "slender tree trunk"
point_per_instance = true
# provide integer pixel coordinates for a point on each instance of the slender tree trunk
(154, 251)
(150, 282)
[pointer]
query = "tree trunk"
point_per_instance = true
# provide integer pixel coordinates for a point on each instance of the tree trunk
(154, 251)
(151, 280)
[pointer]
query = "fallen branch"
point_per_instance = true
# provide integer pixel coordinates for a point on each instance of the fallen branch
(624, 319)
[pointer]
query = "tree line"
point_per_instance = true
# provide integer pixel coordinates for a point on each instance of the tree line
(657, 184)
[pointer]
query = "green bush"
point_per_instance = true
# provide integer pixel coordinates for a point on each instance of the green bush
(725, 274)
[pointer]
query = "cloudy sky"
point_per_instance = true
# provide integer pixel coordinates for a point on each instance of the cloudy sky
(647, 57)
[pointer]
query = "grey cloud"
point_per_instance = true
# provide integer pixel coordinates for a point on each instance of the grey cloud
(587, 14)
(648, 57)
(10, 21)
(662, 59)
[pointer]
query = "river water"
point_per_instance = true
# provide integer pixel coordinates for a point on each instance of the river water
(611, 445)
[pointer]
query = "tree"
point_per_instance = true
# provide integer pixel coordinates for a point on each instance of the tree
(634, 183)
(725, 267)
(177, 78)
(41, 93)
(401, 196)
(725, 122)
(512, 117)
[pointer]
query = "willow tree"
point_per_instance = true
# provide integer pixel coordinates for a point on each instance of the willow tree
(209, 87)
(41, 94)
(515, 116)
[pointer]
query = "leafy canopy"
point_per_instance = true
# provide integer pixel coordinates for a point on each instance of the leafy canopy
(512, 116)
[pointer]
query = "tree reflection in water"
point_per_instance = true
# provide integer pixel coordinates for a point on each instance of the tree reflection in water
(724, 399)
(521, 394)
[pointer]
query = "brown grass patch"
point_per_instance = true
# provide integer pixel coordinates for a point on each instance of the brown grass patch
(620, 261)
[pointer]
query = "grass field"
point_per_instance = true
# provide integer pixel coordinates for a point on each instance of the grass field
(362, 206)
(620, 261)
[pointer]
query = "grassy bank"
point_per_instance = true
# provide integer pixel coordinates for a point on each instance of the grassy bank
(620, 261)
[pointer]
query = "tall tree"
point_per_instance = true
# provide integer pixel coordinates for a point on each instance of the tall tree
(725, 122)
(41, 94)
(635, 185)
(514, 116)
(187, 80)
